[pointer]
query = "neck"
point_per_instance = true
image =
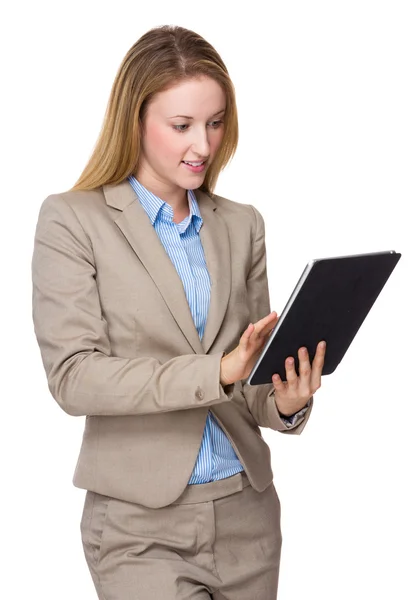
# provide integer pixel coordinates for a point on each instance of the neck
(176, 197)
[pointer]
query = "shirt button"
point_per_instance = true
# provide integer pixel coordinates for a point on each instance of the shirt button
(199, 394)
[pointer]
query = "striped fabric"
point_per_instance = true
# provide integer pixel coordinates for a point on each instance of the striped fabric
(216, 458)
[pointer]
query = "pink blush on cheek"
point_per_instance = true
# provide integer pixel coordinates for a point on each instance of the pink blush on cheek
(160, 142)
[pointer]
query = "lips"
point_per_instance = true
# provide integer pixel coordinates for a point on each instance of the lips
(193, 168)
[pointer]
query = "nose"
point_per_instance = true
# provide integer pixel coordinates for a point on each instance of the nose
(200, 142)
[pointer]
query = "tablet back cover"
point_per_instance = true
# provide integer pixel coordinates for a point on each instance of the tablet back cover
(331, 305)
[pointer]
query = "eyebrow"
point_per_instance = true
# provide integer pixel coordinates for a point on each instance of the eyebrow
(186, 117)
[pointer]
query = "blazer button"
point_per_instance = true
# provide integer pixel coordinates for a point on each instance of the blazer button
(199, 394)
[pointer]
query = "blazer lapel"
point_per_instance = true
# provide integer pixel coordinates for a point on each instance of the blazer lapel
(215, 241)
(133, 221)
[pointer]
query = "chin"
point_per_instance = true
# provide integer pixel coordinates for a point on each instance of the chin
(191, 183)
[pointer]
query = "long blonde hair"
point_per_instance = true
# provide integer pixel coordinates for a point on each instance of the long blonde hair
(162, 57)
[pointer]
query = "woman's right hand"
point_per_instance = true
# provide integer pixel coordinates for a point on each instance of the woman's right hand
(239, 363)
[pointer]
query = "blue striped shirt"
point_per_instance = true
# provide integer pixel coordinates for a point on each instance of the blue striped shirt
(216, 458)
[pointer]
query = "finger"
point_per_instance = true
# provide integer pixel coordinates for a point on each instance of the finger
(279, 385)
(264, 326)
(290, 372)
(244, 339)
(268, 329)
(274, 322)
(304, 364)
(304, 386)
(317, 367)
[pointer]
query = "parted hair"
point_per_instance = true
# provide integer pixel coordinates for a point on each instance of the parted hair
(161, 58)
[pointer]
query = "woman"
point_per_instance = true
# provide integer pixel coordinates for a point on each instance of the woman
(151, 306)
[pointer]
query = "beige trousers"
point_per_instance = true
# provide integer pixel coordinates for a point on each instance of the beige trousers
(219, 540)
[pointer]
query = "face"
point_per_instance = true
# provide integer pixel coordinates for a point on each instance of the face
(183, 123)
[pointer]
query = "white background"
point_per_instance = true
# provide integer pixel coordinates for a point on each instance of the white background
(326, 99)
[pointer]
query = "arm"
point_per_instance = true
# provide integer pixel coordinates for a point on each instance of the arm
(83, 376)
(260, 398)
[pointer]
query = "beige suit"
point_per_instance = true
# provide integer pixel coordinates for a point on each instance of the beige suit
(119, 344)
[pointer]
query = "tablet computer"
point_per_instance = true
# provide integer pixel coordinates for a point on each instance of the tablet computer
(330, 302)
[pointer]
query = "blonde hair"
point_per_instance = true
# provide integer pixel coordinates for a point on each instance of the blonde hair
(161, 58)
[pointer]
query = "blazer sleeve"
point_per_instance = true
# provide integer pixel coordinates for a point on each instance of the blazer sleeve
(83, 376)
(260, 398)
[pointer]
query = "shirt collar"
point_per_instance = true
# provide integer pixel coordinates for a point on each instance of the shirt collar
(156, 208)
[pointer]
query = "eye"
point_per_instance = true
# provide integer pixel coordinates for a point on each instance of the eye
(181, 128)
(216, 124)
(177, 127)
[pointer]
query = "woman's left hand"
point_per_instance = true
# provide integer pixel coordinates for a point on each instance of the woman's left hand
(292, 395)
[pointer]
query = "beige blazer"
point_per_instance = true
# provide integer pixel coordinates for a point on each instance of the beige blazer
(119, 344)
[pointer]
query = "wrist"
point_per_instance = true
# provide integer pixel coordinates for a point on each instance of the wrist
(284, 415)
(223, 379)
(292, 413)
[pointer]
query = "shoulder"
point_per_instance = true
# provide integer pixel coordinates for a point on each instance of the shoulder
(76, 199)
(247, 212)
(74, 208)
